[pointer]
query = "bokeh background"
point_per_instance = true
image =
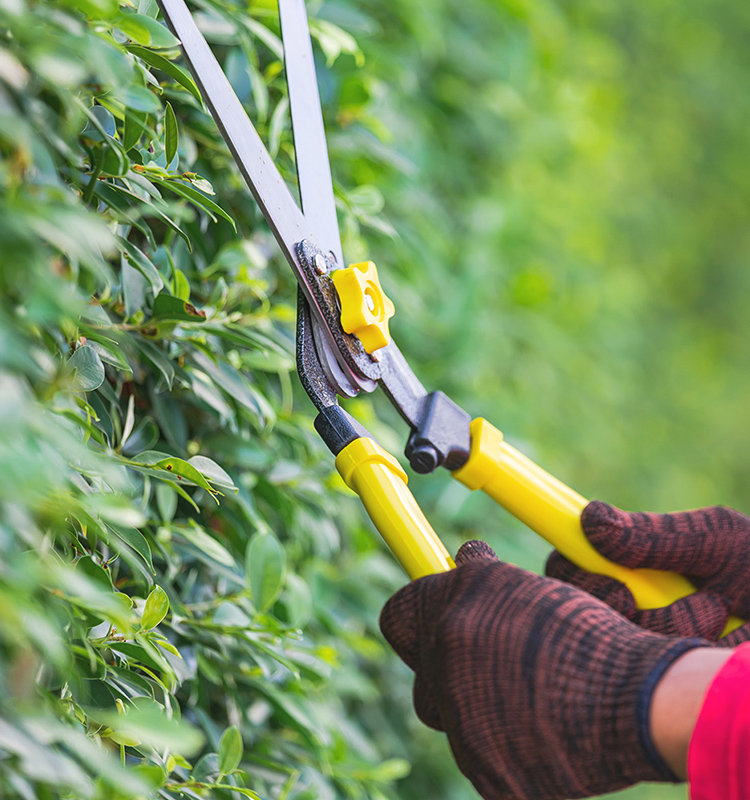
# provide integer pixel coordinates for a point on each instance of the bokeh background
(556, 195)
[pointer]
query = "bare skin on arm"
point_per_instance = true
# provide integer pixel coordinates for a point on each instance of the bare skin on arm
(677, 703)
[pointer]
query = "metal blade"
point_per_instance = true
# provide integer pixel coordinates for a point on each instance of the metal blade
(287, 222)
(313, 168)
(284, 217)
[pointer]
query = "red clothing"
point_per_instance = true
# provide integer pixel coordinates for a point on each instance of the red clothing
(719, 754)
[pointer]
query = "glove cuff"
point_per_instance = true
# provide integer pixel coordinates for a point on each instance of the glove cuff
(643, 706)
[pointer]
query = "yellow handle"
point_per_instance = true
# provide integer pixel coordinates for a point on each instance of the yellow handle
(378, 479)
(553, 510)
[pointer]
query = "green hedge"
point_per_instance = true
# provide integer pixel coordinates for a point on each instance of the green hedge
(556, 195)
(157, 634)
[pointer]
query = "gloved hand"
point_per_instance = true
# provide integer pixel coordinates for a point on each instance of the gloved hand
(710, 546)
(543, 690)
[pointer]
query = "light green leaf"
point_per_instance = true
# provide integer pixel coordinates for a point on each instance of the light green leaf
(181, 469)
(298, 600)
(150, 724)
(89, 370)
(265, 568)
(334, 41)
(391, 770)
(277, 126)
(146, 31)
(127, 428)
(230, 750)
(211, 470)
(181, 285)
(156, 608)
(206, 544)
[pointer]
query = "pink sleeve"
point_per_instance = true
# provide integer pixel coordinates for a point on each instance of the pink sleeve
(719, 753)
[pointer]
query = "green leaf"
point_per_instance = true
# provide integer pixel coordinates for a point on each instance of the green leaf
(206, 544)
(146, 31)
(181, 469)
(230, 750)
(138, 259)
(158, 358)
(169, 307)
(334, 41)
(188, 191)
(213, 472)
(394, 769)
(115, 163)
(265, 568)
(277, 126)
(165, 65)
(183, 494)
(206, 769)
(127, 428)
(150, 724)
(156, 608)
(133, 128)
(136, 540)
(105, 119)
(139, 98)
(166, 501)
(89, 370)
(181, 285)
(171, 134)
(298, 601)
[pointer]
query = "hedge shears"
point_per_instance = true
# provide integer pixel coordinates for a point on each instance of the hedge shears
(344, 347)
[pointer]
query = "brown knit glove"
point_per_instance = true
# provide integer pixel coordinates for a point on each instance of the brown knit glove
(543, 690)
(710, 546)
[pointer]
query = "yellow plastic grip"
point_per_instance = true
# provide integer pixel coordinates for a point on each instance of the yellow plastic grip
(553, 510)
(378, 479)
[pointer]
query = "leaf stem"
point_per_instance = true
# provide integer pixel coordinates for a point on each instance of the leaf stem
(88, 192)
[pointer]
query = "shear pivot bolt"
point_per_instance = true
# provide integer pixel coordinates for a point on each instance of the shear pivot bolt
(424, 459)
(320, 264)
(365, 308)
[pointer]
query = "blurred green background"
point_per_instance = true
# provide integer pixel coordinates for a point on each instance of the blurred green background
(556, 196)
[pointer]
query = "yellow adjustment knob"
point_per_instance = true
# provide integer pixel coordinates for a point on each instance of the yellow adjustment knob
(365, 309)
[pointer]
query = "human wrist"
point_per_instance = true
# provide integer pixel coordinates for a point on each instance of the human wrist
(677, 701)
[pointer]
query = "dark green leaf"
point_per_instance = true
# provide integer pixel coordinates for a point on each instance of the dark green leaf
(133, 128)
(167, 307)
(158, 358)
(165, 65)
(135, 539)
(171, 134)
(187, 191)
